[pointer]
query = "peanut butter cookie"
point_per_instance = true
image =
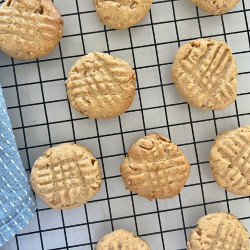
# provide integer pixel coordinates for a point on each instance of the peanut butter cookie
(230, 160)
(101, 86)
(216, 7)
(122, 239)
(66, 176)
(122, 14)
(155, 168)
(218, 231)
(29, 28)
(204, 72)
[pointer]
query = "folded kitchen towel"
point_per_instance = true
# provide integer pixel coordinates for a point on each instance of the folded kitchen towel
(17, 204)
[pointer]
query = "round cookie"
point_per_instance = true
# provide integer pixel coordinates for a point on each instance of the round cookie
(155, 168)
(230, 160)
(122, 14)
(29, 28)
(66, 176)
(216, 7)
(218, 231)
(122, 239)
(101, 86)
(204, 72)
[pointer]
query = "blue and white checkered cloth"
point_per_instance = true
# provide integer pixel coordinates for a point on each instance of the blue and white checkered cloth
(17, 204)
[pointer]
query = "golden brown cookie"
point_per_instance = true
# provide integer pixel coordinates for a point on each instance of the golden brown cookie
(230, 160)
(155, 168)
(66, 176)
(101, 86)
(204, 72)
(218, 231)
(29, 28)
(122, 14)
(215, 7)
(122, 239)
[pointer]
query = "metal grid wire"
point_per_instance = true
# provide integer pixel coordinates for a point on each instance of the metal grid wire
(42, 117)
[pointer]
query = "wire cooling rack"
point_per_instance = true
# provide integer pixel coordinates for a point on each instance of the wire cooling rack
(42, 117)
